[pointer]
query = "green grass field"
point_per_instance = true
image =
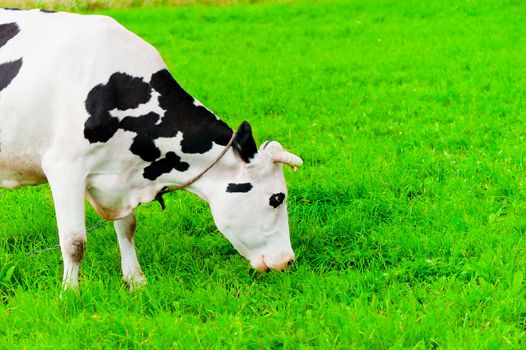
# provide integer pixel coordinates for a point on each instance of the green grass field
(90, 5)
(408, 218)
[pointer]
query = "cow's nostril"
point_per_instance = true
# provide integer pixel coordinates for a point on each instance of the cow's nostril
(289, 263)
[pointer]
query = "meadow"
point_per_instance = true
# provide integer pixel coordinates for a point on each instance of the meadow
(408, 218)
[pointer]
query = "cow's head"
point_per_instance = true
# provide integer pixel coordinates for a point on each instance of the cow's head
(250, 205)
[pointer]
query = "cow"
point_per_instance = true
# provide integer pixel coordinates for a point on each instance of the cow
(91, 108)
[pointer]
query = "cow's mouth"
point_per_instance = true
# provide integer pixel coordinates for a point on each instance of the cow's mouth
(265, 263)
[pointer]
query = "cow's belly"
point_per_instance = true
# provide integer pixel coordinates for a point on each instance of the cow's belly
(20, 170)
(23, 141)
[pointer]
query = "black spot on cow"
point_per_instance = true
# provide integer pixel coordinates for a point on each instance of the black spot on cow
(47, 11)
(165, 165)
(234, 188)
(8, 71)
(200, 128)
(276, 199)
(11, 9)
(7, 32)
(121, 92)
(143, 144)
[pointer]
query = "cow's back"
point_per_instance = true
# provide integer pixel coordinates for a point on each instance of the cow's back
(49, 62)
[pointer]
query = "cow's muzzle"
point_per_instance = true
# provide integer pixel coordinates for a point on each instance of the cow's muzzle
(265, 262)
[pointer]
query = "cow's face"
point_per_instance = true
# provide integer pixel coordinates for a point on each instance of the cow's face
(250, 208)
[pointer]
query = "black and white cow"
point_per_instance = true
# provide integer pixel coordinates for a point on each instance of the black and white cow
(91, 108)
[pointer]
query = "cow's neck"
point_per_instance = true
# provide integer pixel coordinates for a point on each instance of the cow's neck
(200, 128)
(215, 179)
(189, 136)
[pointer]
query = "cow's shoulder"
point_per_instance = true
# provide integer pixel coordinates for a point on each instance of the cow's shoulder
(109, 37)
(100, 24)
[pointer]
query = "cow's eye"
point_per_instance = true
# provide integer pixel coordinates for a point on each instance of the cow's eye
(276, 199)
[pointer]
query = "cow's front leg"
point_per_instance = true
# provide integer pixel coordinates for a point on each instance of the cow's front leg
(67, 188)
(131, 270)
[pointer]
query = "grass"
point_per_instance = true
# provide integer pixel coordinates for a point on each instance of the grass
(91, 5)
(408, 218)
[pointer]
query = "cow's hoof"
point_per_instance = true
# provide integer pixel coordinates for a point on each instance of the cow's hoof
(137, 283)
(69, 293)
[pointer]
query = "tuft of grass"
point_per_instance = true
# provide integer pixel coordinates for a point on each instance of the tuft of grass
(408, 218)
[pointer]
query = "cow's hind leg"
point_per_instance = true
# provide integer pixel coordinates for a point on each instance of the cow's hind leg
(67, 188)
(131, 269)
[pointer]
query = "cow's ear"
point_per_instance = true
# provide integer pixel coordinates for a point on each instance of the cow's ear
(244, 144)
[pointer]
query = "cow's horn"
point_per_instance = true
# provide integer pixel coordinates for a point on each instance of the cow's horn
(279, 155)
(287, 158)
